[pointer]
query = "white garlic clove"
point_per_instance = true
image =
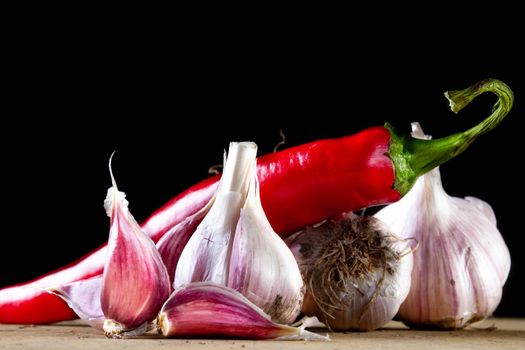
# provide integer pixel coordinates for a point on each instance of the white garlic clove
(205, 309)
(262, 267)
(462, 261)
(207, 253)
(135, 282)
(171, 245)
(357, 273)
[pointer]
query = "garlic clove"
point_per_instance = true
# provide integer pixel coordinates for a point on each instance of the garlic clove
(84, 298)
(204, 309)
(206, 255)
(357, 273)
(262, 267)
(462, 261)
(171, 245)
(135, 282)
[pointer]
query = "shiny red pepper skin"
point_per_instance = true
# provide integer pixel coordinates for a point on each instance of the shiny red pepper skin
(299, 186)
(309, 183)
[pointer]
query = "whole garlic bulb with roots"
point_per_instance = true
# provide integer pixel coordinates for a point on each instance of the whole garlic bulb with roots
(356, 272)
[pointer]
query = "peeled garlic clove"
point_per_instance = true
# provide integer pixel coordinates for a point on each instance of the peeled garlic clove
(235, 239)
(205, 309)
(262, 267)
(171, 245)
(462, 261)
(84, 298)
(135, 282)
(357, 273)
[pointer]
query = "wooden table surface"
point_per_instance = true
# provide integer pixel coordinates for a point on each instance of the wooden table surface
(498, 334)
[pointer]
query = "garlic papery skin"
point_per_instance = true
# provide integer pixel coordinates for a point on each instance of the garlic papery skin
(356, 272)
(84, 298)
(262, 267)
(461, 263)
(235, 245)
(204, 309)
(135, 283)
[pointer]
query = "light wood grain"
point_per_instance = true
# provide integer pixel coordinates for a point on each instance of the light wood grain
(509, 334)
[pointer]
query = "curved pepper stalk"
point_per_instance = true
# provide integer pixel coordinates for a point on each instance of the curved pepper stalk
(414, 157)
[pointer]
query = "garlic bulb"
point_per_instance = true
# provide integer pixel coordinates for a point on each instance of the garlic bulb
(204, 309)
(356, 272)
(135, 282)
(235, 245)
(462, 261)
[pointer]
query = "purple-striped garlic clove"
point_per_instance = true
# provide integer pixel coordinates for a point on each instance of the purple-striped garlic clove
(204, 309)
(135, 282)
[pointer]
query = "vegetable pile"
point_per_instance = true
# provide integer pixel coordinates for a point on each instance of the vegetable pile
(247, 253)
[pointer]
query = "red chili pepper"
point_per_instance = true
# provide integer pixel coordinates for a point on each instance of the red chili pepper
(300, 186)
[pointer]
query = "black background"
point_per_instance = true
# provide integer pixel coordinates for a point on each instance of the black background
(170, 106)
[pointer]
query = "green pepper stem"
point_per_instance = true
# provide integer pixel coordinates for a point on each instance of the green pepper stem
(414, 157)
